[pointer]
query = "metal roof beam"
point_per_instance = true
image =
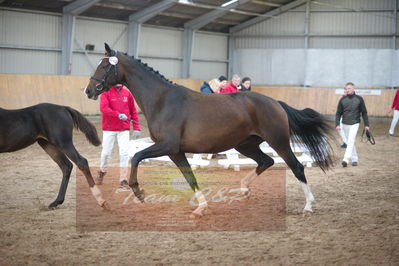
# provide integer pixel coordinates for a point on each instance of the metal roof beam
(151, 11)
(265, 3)
(267, 15)
(205, 19)
(77, 7)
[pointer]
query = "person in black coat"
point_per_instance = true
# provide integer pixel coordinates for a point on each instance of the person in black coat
(246, 84)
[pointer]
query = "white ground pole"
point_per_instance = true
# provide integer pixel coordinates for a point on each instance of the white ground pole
(309, 197)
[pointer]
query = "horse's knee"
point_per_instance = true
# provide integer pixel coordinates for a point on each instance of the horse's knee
(82, 163)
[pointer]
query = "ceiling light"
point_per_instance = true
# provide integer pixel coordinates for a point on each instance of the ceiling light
(229, 3)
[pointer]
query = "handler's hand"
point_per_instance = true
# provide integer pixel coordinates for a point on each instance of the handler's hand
(338, 128)
(367, 128)
(122, 117)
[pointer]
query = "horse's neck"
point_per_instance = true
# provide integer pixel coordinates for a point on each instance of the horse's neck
(147, 87)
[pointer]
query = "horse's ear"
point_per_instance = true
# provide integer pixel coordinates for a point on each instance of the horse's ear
(107, 49)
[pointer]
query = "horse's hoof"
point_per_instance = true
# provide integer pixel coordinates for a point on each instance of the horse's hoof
(140, 194)
(53, 205)
(106, 206)
(307, 212)
(195, 216)
(198, 213)
(245, 192)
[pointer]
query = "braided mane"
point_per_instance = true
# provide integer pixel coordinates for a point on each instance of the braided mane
(150, 69)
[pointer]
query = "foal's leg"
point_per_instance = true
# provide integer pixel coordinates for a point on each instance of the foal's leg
(250, 148)
(156, 150)
(70, 150)
(66, 168)
(180, 160)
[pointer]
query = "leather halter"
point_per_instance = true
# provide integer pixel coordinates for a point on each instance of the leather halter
(110, 67)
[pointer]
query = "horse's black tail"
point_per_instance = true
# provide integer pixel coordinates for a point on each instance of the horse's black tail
(81, 123)
(312, 129)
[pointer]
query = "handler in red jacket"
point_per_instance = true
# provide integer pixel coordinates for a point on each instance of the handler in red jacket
(233, 86)
(395, 118)
(117, 108)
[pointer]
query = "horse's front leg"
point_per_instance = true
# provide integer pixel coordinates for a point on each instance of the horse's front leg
(156, 150)
(180, 160)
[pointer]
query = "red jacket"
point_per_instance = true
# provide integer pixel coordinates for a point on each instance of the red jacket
(229, 88)
(395, 103)
(114, 102)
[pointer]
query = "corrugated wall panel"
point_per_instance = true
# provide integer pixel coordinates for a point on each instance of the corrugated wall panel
(29, 62)
(351, 23)
(168, 68)
(207, 70)
(352, 4)
(160, 42)
(84, 65)
(287, 23)
(17, 28)
(350, 43)
(27, 28)
(97, 32)
(270, 43)
(210, 46)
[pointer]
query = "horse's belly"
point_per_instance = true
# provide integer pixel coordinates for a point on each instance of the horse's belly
(211, 144)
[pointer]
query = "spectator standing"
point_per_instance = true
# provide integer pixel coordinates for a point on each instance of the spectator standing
(350, 107)
(395, 118)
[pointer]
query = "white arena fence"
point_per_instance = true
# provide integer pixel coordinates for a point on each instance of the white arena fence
(232, 156)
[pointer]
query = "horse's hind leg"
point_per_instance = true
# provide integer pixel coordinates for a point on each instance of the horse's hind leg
(66, 168)
(181, 161)
(69, 149)
(297, 168)
(250, 148)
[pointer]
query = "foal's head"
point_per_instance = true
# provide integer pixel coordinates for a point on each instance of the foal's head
(108, 73)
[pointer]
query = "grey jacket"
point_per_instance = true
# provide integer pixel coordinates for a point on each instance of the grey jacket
(350, 107)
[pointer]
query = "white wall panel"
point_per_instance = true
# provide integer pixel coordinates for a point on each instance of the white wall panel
(271, 66)
(168, 68)
(210, 46)
(350, 43)
(89, 31)
(27, 29)
(160, 42)
(351, 23)
(362, 67)
(286, 23)
(40, 30)
(208, 70)
(270, 43)
(319, 67)
(29, 62)
(352, 4)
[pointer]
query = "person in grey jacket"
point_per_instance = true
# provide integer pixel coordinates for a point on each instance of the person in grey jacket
(350, 107)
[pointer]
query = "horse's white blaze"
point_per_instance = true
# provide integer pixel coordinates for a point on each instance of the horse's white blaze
(97, 195)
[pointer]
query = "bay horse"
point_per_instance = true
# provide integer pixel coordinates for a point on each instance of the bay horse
(182, 121)
(51, 127)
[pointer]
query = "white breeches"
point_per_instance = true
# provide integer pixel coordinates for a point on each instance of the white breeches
(395, 119)
(108, 143)
(350, 132)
